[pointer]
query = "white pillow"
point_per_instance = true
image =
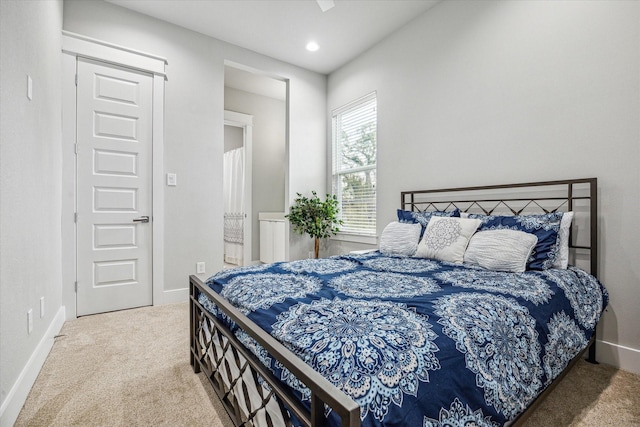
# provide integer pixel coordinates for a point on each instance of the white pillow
(446, 238)
(562, 261)
(501, 250)
(400, 238)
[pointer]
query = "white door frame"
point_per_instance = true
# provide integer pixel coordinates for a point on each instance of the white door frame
(74, 45)
(245, 121)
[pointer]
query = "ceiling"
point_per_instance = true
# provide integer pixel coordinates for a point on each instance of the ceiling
(281, 28)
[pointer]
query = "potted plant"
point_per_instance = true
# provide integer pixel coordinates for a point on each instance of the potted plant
(315, 217)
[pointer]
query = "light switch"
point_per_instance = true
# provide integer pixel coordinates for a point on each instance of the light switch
(172, 179)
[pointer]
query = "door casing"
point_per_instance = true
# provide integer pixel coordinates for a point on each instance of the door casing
(74, 45)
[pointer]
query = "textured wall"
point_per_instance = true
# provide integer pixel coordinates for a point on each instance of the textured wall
(502, 92)
(30, 179)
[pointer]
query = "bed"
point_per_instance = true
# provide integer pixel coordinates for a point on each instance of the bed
(456, 332)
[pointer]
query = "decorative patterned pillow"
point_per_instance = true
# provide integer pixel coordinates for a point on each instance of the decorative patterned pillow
(565, 228)
(500, 250)
(400, 239)
(446, 238)
(423, 218)
(545, 227)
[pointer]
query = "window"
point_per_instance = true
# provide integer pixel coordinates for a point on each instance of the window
(354, 164)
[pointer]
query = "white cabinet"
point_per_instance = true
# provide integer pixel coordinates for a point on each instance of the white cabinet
(272, 236)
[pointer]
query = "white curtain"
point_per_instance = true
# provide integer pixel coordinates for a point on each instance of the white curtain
(233, 205)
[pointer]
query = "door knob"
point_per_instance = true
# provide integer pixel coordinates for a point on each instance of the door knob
(141, 219)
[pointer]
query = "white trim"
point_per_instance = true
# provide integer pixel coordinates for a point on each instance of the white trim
(73, 46)
(68, 184)
(354, 103)
(619, 356)
(157, 190)
(174, 296)
(234, 118)
(245, 121)
(287, 171)
(16, 397)
(252, 70)
(79, 45)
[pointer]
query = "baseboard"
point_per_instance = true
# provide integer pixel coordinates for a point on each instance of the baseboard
(18, 394)
(175, 296)
(625, 358)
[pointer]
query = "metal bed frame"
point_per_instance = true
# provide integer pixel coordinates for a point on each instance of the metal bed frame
(212, 358)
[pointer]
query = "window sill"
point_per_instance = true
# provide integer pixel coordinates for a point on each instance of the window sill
(356, 238)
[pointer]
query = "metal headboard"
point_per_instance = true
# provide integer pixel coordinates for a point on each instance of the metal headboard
(519, 199)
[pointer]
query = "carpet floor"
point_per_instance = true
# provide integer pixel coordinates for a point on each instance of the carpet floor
(131, 368)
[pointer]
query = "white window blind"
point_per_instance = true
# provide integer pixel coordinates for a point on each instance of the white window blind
(354, 164)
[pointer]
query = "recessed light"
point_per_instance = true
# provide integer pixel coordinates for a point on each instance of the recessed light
(312, 46)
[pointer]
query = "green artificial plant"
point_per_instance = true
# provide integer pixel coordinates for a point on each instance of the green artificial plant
(315, 217)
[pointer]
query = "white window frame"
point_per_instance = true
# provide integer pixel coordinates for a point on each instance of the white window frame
(351, 236)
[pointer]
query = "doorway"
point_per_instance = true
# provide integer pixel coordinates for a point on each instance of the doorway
(112, 176)
(238, 131)
(251, 93)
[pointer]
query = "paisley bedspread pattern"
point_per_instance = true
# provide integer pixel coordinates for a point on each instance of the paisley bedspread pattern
(417, 341)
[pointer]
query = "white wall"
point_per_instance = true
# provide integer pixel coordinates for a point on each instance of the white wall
(269, 151)
(503, 92)
(30, 193)
(233, 138)
(194, 131)
(31, 161)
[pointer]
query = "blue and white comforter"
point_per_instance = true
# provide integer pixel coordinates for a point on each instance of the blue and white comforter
(418, 342)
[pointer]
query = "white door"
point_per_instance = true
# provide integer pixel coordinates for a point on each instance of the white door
(114, 154)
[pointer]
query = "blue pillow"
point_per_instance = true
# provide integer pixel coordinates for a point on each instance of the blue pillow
(423, 218)
(545, 227)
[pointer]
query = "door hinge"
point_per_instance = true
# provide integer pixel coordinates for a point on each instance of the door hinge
(75, 217)
(76, 283)
(75, 148)
(76, 79)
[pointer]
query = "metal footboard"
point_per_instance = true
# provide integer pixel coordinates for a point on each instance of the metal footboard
(214, 348)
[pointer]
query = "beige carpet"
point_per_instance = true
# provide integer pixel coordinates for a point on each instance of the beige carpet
(131, 368)
(125, 368)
